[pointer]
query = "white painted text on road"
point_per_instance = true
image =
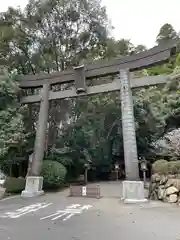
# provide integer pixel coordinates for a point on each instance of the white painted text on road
(25, 210)
(68, 212)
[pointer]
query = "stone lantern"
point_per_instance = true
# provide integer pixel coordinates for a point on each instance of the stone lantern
(117, 171)
(143, 167)
(87, 166)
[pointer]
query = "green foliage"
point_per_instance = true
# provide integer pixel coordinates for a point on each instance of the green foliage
(11, 115)
(178, 60)
(174, 167)
(44, 37)
(166, 32)
(171, 101)
(160, 166)
(62, 158)
(96, 127)
(54, 174)
(55, 35)
(52, 35)
(122, 47)
(14, 185)
(90, 135)
(149, 121)
(164, 167)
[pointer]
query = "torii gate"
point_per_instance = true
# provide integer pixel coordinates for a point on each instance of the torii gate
(122, 83)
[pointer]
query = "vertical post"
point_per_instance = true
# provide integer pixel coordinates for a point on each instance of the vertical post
(40, 140)
(117, 175)
(128, 127)
(144, 178)
(34, 182)
(133, 189)
(85, 176)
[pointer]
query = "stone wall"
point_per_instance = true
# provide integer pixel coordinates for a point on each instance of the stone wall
(165, 188)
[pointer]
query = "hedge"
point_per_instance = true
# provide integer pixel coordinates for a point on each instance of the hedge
(14, 185)
(164, 167)
(54, 174)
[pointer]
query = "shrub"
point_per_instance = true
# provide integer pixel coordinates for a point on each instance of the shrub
(160, 166)
(174, 167)
(165, 167)
(54, 174)
(14, 185)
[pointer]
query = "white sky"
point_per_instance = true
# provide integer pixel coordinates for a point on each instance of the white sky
(138, 20)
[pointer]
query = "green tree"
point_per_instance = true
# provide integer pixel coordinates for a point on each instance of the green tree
(11, 118)
(166, 32)
(13, 135)
(118, 48)
(52, 35)
(140, 48)
(94, 125)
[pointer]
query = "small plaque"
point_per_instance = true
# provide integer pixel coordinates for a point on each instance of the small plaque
(80, 79)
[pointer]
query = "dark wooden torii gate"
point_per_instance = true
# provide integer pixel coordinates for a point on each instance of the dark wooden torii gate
(79, 76)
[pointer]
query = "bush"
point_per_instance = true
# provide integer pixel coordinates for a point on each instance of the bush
(54, 174)
(174, 167)
(14, 185)
(161, 167)
(165, 167)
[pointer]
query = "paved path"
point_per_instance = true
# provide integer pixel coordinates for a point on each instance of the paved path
(55, 216)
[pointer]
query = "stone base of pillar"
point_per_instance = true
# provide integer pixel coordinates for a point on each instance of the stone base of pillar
(33, 187)
(2, 192)
(133, 192)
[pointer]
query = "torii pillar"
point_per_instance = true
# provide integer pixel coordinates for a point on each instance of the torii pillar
(34, 182)
(133, 188)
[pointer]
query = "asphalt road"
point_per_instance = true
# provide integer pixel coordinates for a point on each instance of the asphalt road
(56, 216)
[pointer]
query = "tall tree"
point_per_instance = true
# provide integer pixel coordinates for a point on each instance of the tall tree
(166, 32)
(12, 129)
(140, 48)
(118, 48)
(52, 35)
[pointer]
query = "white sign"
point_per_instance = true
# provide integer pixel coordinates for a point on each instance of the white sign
(68, 212)
(83, 191)
(25, 210)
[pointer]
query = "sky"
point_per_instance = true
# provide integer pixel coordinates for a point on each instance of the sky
(137, 20)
